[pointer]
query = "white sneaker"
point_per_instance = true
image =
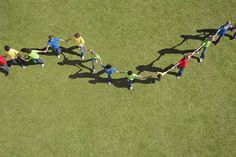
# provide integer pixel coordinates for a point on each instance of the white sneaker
(131, 87)
(178, 77)
(58, 56)
(96, 61)
(82, 57)
(23, 67)
(109, 83)
(200, 60)
(94, 70)
(42, 65)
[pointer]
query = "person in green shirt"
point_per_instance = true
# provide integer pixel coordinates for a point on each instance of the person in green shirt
(94, 59)
(130, 78)
(34, 57)
(206, 43)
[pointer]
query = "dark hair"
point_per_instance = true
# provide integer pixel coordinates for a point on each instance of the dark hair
(130, 72)
(108, 66)
(159, 76)
(7, 48)
(28, 50)
(77, 35)
(50, 36)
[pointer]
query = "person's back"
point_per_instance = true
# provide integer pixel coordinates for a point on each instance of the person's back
(12, 54)
(2, 60)
(34, 54)
(54, 42)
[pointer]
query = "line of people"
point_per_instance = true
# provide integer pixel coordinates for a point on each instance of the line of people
(13, 57)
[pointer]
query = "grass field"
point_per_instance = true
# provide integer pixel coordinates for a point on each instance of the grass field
(53, 112)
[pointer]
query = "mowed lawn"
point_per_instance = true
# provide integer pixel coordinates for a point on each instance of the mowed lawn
(60, 111)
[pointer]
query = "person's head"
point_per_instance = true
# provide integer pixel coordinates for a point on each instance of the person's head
(130, 72)
(228, 22)
(92, 52)
(77, 35)
(159, 77)
(108, 66)
(50, 37)
(28, 50)
(186, 55)
(7, 48)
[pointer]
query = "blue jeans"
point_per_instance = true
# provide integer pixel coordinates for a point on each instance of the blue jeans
(203, 53)
(6, 69)
(109, 79)
(38, 61)
(93, 63)
(16, 61)
(181, 71)
(57, 50)
(82, 50)
(130, 83)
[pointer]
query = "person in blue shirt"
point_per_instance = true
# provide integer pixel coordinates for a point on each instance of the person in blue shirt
(109, 70)
(222, 31)
(54, 44)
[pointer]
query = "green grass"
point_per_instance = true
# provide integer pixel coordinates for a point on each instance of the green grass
(44, 113)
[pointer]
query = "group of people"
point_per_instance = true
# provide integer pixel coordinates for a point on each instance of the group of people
(13, 57)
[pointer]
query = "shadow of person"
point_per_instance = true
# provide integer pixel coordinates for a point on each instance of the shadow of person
(174, 51)
(77, 63)
(149, 67)
(200, 37)
(213, 32)
(70, 50)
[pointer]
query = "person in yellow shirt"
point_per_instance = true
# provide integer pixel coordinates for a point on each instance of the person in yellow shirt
(80, 43)
(13, 57)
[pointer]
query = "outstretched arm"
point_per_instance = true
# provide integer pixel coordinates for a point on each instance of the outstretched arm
(46, 49)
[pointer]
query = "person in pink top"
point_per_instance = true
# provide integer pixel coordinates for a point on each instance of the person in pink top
(4, 65)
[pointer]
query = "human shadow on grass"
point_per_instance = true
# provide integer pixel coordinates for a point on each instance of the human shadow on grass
(200, 37)
(70, 50)
(209, 31)
(150, 68)
(77, 63)
(96, 78)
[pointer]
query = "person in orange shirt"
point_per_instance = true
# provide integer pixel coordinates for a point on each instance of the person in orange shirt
(13, 57)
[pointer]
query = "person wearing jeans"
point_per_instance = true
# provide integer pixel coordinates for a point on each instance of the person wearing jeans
(79, 41)
(205, 46)
(14, 57)
(4, 65)
(130, 77)
(34, 57)
(109, 70)
(182, 64)
(54, 43)
(222, 31)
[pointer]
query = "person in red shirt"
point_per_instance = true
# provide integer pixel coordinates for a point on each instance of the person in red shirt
(182, 64)
(4, 65)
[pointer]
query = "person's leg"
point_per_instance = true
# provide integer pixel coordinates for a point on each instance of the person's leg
(93, 65)
(203, 54)
(40, 61)
(109, 79)
(13, 62)
(218, 40)
(57, 51)
(7, 69)
(234, 37)
(20, 62)
(82, 50)
(130, 84)
(180, 73)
